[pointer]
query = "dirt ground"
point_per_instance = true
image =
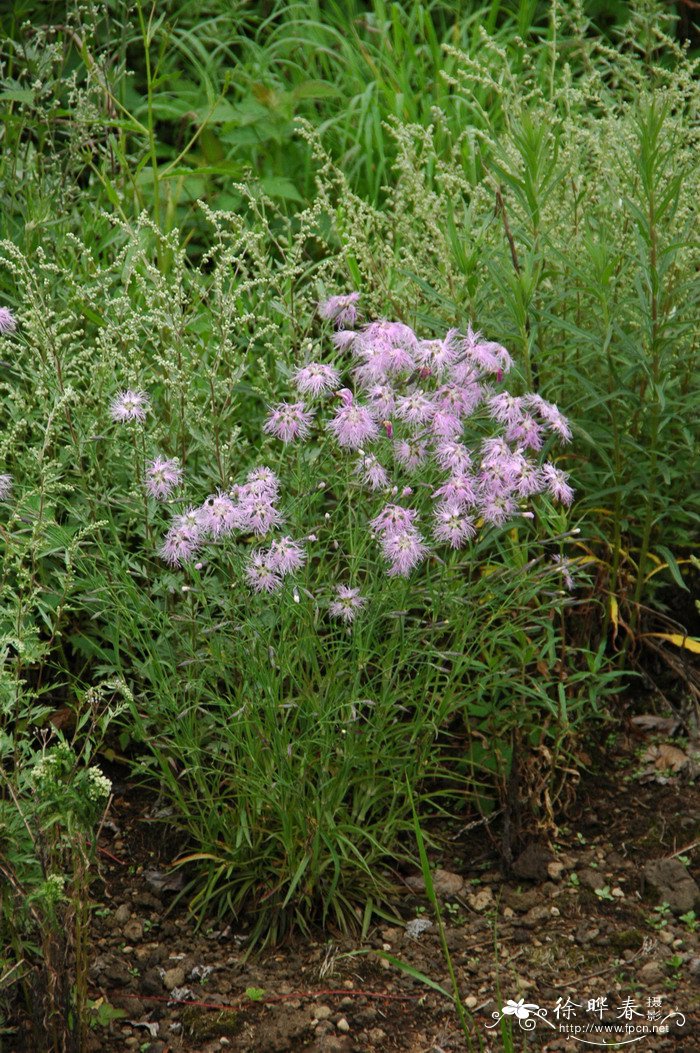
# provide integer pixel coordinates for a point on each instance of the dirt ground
(583, 918)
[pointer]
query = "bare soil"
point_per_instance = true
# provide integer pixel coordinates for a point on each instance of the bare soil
(577, 920)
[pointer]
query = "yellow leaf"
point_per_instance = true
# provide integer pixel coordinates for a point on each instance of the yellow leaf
(689, 642)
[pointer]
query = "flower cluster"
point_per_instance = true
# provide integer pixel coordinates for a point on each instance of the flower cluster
(412, 401)
(432, 413)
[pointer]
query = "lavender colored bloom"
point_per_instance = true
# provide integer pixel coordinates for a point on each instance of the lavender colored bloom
(260, 481)
(495, 451)
(286, 556)
(497, 508)
(347, 605)
(345, 339)
(382, 399)
(260, 574)
(410, 453)
(459, 490)
(341, 310)
(219, 515)
(458, 399)
(414, 408)
(530, 480)
(438, 355)
(288, 421)
(405, 550)
(316, 378)
(527, 432)
(162, 476)
(452, 525)
(372, 472)
(551, 415)
(393, 518)
(506, 408)
(383, 335)
(453, 456)
(5, 487)
(446, 425)
(489, 356)
(353, 424)
(129, 405)
(181, 542)
(8, 323)
(556, 483)
(258, 514)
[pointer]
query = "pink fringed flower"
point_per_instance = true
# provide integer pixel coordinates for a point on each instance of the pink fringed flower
(489, 356)
(526, 432)
(556, 483)
(460, 489)
(162, 476)
(347, 605)
(405, 550)
(219, 515)
(342, 310)
(497, 508)
(258, 514)
(506, 408)
(551, 415)
(316, 378)
(354, 424)
(393, 518)
(414, 408)
(439, 355)
(452, 456)
(5, 487)
(260, 482)
(181, 542)
(288, 421)
(260, 574)
(286, 556)
(373, 474)
(452, 525)
(129, 405)
(8, 323)
(410, 453)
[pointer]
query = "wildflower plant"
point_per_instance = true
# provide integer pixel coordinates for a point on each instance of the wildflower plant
(353, 615)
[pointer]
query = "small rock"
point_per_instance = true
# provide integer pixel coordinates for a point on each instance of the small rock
(536, 917)
(322, 1012)
(121, 915)
(151, 982)
(555, 870)
(591, 878)
(343, 1025)
(471, 1002)
(533, 862)
(376, 1035)
(651, 973)
(521, 901)
(673, 884)
(444, 882)
(694, 966)
(173, 978)
(133, 930)
(481, 900)
(417, 926)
